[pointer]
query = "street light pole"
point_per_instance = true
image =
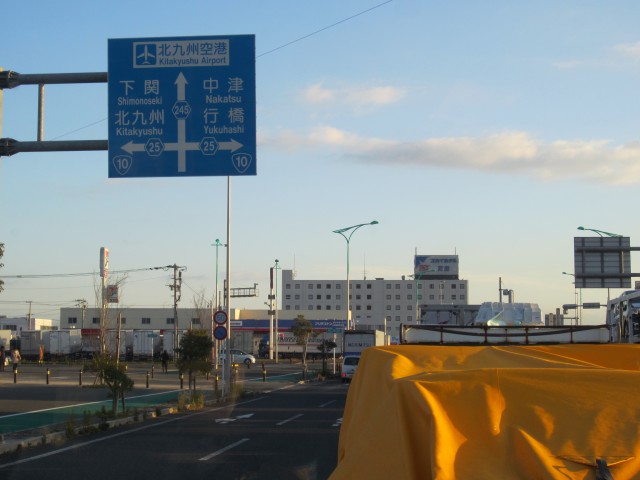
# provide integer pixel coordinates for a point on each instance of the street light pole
(343, 231)
(600, 232)
(276, 339)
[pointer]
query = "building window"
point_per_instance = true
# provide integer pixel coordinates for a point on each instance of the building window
(123, 321)
(397, 286)
(368, 286)
(453, 286)
(409, 297)
(397, 307)
(409, 318)
(358, 297)
(95, 320)
(338, 286)
(287, 286)
(357, 307)
(309, 297)
(328, 286)
(146, 321)
(462, 286)
(419, 286)
(453, 297)
(319, 286)
(297, 297)
(432, 297)
(368, 307)
(338, 307)
(409, 286)
(287, 297)
(318, 297)
(297, 286)
(287, 307)
(328, 307)
(311, 286)
(72, 320)
(171, 321)
(328, 297)
(319, 307)
(195, 321)
(368, 297)
(431, 286)
(409, 307)
(388, 307)
(358, 286)
(461, 297)
(338, 297)
(297, 307)
(397, 318)
(397, 297)
(388, 297)
(388, 286)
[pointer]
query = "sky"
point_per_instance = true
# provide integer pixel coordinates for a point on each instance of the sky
(490, 130)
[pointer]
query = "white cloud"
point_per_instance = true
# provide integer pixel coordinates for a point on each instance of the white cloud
(318, 94)
(357, 96)
(629, 49)
(516, 153)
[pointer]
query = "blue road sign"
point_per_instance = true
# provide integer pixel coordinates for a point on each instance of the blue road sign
(182, 106)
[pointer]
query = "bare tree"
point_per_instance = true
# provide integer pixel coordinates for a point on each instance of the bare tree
(108, 316)
(1, 265)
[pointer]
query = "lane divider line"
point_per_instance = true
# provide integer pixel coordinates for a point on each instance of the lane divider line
(222, 450)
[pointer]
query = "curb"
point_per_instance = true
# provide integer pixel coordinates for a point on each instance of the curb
(61, 436)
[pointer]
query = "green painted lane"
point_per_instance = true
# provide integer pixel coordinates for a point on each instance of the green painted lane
(17, 422)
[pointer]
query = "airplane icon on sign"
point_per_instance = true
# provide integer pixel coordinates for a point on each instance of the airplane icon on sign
(146, 54)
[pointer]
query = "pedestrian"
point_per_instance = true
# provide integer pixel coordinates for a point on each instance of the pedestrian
(41, 355)
(3, 358)
(165, 361)
(15, 359)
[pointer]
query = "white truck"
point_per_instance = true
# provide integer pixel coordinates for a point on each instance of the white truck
(288, 347)
(63, 343)
(30, 342)
(146, 344)
(355, 341)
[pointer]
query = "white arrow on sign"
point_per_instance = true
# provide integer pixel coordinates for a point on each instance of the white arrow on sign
(181, 145)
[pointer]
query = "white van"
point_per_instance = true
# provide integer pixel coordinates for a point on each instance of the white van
(349, 364)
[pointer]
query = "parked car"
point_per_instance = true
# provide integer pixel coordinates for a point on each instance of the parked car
(349, 365)
(237, 356)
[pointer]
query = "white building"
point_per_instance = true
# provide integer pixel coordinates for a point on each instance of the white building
(18, 324)
(379, 304)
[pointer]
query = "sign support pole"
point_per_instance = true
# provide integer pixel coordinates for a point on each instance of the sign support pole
(227, 363)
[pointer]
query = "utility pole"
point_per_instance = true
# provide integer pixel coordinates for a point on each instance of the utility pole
(176, 288)
(82, 303)
(29, 317)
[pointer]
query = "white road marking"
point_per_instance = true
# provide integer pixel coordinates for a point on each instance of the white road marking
(222, 450)
(289, 419)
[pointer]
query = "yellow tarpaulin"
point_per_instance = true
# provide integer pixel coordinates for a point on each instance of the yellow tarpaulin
(494, 412)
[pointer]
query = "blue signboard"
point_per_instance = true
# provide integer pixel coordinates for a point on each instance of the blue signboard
(182, 106)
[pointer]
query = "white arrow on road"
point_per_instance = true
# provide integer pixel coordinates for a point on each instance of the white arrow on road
(224, 421)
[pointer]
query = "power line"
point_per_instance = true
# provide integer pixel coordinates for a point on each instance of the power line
(62, 275)
(261, 55)
(323, 29)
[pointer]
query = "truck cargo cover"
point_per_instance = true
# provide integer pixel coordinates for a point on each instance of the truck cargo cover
(492, 412)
